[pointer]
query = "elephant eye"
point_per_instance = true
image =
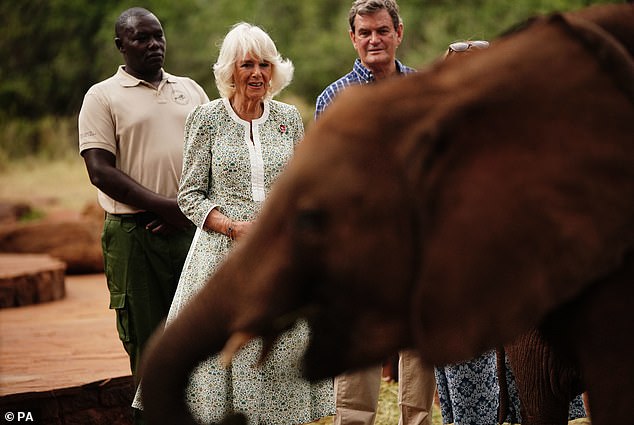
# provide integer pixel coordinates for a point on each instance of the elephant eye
(311, 221)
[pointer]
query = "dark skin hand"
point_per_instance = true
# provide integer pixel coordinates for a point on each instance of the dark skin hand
(101, 166)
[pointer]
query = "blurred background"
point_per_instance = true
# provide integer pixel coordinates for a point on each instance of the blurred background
(53, 50)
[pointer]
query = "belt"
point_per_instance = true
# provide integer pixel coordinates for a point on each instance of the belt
(141, 218)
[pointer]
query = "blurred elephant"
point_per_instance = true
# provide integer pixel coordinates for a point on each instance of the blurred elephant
(451, 211)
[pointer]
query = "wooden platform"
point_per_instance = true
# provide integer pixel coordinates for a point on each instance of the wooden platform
(65, 350)
(30, 279)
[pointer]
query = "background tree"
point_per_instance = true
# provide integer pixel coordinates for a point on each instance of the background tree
(54, 50)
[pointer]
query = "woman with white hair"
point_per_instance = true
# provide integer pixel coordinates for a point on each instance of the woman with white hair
(235, 147)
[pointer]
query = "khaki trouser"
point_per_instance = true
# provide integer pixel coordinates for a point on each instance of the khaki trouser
(357, 393)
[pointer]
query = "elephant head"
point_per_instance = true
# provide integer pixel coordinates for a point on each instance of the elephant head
(416, 207)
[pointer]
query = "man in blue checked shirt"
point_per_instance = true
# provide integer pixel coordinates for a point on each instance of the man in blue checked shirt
(376, 31)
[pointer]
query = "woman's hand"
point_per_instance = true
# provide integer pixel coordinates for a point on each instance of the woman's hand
(239, 229)
(218, 222)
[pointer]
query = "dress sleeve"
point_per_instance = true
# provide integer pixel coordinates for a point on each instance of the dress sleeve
(193, 193)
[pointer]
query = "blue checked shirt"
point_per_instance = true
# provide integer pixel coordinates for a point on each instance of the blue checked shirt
(359, 75)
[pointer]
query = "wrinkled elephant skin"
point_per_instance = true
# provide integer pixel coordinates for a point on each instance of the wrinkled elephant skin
(450, 211)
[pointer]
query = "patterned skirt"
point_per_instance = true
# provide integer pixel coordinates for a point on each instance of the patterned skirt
(469, 393)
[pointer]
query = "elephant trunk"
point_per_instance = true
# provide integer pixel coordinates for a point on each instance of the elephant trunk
(232, 304)
(171, 356)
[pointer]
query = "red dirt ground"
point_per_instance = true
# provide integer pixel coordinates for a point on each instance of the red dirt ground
(62, 343)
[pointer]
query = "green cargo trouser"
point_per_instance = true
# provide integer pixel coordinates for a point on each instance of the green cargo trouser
(142, 270)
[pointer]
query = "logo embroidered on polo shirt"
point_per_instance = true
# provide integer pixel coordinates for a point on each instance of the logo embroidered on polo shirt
(180, 97)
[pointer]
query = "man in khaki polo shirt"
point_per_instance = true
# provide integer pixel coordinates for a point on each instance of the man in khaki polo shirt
(131, 128)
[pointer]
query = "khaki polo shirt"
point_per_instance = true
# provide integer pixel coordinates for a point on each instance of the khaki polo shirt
(142, 126)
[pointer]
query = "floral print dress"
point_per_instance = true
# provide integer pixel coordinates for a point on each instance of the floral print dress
(224, 168)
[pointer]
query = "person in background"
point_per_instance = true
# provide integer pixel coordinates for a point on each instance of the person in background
(469, 392)
(235, 147)
(131, 138)
(376, 31)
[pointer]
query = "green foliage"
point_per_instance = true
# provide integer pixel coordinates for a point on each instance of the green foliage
(54, 50)
(47, 50)
(48, 137)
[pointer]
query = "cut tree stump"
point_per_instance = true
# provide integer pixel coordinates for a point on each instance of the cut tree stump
(30, 279)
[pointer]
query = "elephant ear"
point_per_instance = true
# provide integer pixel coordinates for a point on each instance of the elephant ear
(526, 195)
